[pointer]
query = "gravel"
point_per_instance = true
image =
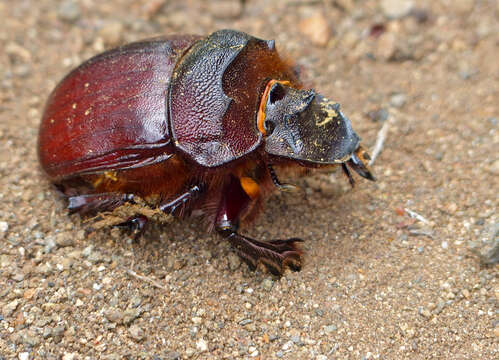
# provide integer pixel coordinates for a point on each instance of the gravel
(376, 282)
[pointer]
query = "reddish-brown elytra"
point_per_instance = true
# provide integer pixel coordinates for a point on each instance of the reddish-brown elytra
(192, 124)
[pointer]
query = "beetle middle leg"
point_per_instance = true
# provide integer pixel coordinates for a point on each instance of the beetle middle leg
(275, 255)
(179, 205)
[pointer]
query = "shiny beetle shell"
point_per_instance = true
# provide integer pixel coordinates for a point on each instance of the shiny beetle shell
(192, 125)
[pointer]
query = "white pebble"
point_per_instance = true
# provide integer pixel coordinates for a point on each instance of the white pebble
(4, 226)
(24, 356)
(202, 345)
(445, 244)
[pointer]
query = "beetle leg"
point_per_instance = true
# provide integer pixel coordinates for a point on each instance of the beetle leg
(84, 204)
(136, 224)
(278, 184)
(275, 255)
(178, 205)
(347, 172)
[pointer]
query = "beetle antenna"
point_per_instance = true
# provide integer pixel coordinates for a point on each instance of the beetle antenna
(348, 174)
(278, 184)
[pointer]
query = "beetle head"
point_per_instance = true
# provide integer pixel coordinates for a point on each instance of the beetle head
(304, 126)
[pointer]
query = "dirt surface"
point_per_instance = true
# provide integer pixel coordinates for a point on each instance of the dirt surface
(376, 283)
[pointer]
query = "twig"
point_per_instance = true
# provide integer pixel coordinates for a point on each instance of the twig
(424, 232)
(145, 278)
(380, 140)
(416, 216)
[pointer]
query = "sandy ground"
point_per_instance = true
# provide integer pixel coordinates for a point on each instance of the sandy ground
(376, 282)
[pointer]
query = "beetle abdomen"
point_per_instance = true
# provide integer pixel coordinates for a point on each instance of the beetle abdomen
(110, 112)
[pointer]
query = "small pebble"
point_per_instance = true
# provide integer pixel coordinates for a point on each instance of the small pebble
(130, 315)
(330, 328)
(112, 33)
(173, 355)
(398, 100)
(114, 315)
(494, 167)
(18, 276)
(267, 284)
(234, 261)
(297, 340)
(202, 345)
(24, 356)
(463, 7)
(395, 9)
(386, 46)
(49, 244)
(69, 11)
(225, 9)
(287, 345)
(136, 332)
(424, 312)
(10, 307)
(378, 115)
(253, 351)
(316, 29)
(87, 251)
(64, 239)
(22, 70)
(245, 322)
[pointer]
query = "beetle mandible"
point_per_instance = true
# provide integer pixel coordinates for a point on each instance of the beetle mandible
(192, 124)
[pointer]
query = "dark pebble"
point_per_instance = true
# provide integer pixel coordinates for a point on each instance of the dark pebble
(245, 322)
(378, 115)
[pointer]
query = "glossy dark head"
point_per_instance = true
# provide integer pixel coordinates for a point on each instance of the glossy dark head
(304, 126)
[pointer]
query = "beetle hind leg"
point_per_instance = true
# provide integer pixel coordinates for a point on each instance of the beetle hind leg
(89, 203)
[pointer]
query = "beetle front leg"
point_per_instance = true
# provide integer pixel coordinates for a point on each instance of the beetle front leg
(275, 255)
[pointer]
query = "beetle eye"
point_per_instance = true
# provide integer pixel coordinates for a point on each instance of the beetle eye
(269, 127)
(276, 93)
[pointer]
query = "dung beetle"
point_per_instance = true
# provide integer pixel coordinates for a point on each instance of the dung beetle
(192, 125)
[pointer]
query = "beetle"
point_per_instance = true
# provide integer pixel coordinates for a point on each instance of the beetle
(193, 125)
